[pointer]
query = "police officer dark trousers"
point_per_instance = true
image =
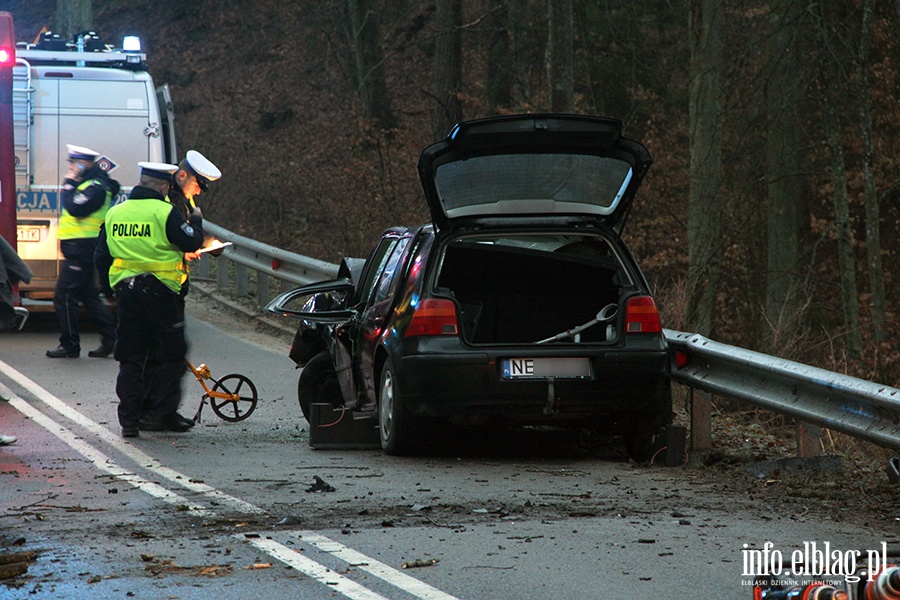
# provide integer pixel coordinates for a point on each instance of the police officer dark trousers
(143, 242)
(86, 196)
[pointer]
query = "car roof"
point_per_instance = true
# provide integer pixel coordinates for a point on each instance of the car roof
(532, 168)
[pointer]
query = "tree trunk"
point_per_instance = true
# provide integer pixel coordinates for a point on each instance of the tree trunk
(447, 65)
(560, 68)
(784, 183)
(835, 86)
(73, 16)
(846, 262)
(873, 211)
(499, 60)
(704, 209)
(369, 63)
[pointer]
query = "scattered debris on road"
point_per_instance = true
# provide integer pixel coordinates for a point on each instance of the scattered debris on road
(422, 562)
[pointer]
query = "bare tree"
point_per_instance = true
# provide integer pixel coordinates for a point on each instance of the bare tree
(704, 209)
(369, 63)
(783, 96)
(873, 210)
(560, 68)
(846, 261)
(499, 58)
(447, 65)
(835, 86)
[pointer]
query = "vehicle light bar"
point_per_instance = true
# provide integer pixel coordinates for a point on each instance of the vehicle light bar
(131, 43)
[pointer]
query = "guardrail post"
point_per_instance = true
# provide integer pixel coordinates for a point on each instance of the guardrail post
(262, 288)
(222, 271)
(200, 268)
(808, 440)
(241, 280)
(701, 420)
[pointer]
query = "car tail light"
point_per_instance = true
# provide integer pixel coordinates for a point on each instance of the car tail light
(433, 317)
(642, 316)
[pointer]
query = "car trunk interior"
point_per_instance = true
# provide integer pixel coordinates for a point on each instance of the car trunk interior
(530, 292)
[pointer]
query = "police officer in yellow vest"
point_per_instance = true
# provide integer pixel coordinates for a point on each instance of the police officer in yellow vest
(143, 242)
(192, 178)
(86, 195)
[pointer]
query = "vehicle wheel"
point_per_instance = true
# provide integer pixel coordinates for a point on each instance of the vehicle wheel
(234, 410)
(396, 426)
(318, 383)
(639, 433)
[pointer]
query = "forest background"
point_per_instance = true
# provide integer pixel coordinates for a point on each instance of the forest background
(768, 220)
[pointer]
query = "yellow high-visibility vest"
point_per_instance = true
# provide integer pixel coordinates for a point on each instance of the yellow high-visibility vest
(83, 227)
(136, 236)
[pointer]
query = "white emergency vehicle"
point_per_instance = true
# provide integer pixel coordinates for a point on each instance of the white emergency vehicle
(87, 93)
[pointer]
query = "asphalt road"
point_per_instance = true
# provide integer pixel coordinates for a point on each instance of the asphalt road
(233, 510)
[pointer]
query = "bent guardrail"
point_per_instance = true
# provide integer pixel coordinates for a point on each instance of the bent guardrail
(853, 406)
(857, 407)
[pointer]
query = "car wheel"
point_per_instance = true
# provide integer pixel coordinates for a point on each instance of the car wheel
(395, 424)
(318, 383)
(639, 433)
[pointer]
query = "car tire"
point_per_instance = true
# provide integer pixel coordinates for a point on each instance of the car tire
(318, 383)
(639, 433)
(395, 425)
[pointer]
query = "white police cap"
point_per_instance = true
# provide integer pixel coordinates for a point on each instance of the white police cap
(81, 153)
(157, 170)
(202, 168)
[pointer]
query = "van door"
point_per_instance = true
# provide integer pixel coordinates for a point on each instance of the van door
(109, 116)
(37, 178)
(167, 119)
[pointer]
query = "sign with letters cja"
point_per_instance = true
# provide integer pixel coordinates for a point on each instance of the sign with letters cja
(38, 201)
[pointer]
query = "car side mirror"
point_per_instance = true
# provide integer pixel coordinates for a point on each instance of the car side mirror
(322, 302)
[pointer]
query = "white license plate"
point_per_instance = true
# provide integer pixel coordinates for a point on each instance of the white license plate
(541, 368)
(28, 234)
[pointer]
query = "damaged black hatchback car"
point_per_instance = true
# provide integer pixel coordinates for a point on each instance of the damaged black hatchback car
(519, 303)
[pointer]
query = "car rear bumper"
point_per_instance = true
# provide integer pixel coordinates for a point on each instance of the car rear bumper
(467, 384)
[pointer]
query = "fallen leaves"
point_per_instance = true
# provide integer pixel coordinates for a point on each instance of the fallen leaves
(15, 563)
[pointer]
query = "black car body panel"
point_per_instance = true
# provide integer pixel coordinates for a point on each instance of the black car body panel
(530, 312)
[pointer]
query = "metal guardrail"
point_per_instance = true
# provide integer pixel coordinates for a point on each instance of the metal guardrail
(263, 261)
(856, 407)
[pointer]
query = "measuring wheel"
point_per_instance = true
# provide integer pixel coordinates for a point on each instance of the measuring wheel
(237, 386)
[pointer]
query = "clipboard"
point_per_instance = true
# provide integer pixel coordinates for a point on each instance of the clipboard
(213, 247)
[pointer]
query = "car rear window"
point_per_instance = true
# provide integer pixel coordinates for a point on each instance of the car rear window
(532, 183)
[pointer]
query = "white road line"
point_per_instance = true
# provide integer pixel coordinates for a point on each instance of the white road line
(290, 557)
(311, 568)
(100, 460)
(362, 562)
(141, 458)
